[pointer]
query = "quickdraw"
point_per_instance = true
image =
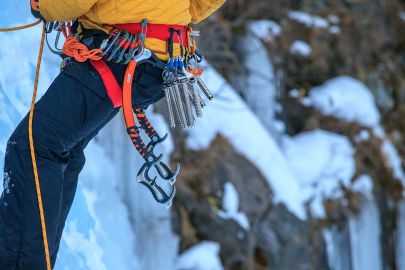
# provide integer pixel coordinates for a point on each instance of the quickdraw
(182, 86)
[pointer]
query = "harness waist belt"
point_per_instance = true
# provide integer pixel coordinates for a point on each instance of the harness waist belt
(158, 31)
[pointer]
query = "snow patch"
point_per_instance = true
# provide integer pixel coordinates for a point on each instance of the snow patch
(265, 29)
(365, 234)
(258, 86)
(230, 204)
(333, 19)
(335, 30)
(364, 185)
(400, 248)
(364, 135)
(294, 93)
(321, 161)
(301, 48)
(345, 98)
(311, 21)
(394, 160)
(204, 256)
(402, 15)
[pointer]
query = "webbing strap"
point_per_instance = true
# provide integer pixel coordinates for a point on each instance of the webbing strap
(157, 31)
(113, 89)
(123, 98)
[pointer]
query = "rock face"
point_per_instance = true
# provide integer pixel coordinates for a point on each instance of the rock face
(275, 239)
(318, 40)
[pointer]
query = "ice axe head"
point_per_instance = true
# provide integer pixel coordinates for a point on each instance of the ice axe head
(157, 191)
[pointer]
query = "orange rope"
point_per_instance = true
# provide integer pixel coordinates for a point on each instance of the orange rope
(20, 27)
(32, 150)
(79, 51)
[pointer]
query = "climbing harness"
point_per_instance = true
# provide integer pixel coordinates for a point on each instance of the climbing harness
(182, 85)
(31, 139)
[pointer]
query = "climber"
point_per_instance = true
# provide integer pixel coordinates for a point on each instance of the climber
(75, 108)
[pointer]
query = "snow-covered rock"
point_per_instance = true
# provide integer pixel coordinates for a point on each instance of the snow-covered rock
(204, 256)
(258, 86)
(345, 98)
(301, 48)
(230, 117)
(230, 206)
(365, 234)
(321, 161)
(265, 29)
(308, 19)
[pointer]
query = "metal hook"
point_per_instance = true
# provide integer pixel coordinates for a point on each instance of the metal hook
(163, 170)
(166, 174)
(157, 192)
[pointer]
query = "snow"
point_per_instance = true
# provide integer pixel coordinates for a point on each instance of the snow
(365, 233)
(106, 210)
(364, 185)
(393, 160)
(333, 19)
(402, 15)
(80, 244)
(337, 247)
(345, 98)
(400, 245)
(204, 256)
(335, 30)
(364, 135)
(321, 161)
(230, 204)
(317, 22)
(265, 29)
(258, 86)
(308, 20)
(294, 93)
(230, 117)
(356, 247)
(301, 48)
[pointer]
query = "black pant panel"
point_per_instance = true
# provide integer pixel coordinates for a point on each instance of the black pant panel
(66, 118)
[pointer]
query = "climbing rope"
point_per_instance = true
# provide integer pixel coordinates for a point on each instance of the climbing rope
(77, 50)
(32, 149)
(31, 139)
(20, 27)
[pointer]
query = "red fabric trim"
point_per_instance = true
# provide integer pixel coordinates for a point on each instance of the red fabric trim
(113, 89)
(158, 31)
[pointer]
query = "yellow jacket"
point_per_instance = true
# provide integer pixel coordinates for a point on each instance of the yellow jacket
(101, 13)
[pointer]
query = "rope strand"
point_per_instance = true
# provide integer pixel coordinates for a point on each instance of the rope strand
(30, 134)
(2, 30)
(79, 51)
(32, 150)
